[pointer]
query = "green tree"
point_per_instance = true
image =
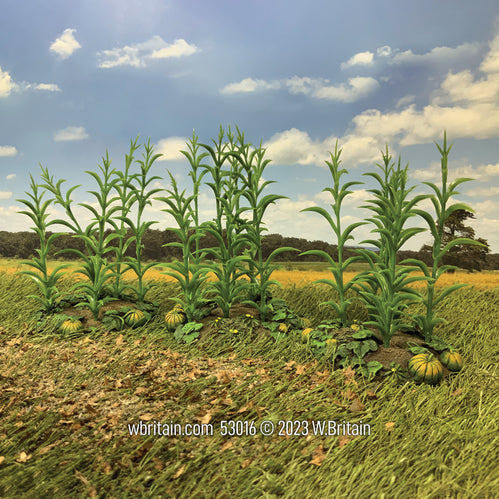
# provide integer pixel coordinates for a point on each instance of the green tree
(464, 256)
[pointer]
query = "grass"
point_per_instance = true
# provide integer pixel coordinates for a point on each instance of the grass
(65, 406)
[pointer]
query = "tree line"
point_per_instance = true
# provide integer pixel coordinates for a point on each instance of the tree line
(23, 245)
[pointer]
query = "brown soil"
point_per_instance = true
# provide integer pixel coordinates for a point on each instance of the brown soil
(397, 352)
(87, 317)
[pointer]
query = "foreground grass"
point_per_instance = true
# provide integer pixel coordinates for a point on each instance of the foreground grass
(65, 406)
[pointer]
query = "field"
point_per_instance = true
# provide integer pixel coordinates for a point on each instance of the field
(293, 273)
(66, 407)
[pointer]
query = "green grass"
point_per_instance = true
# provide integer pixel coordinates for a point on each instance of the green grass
(65, 405)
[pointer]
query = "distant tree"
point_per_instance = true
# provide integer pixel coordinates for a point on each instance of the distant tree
(465, 256)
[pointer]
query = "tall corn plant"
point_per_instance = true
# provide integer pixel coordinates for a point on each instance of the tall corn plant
(189, 272)
(338, 193)
(46, 281)
(141, 195)
(253, 185)
(126, 194)
(95, 264)
(197, 172)
(228, 266)
(440, 201)
(385, 288)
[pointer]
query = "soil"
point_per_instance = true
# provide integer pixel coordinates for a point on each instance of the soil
(87, 318)
(397, 352)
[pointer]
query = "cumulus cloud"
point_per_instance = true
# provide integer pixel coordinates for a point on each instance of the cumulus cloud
(438, 55)
(317, 88)
(482, 192)
(8, 151)
(7, 85)
(66, 44)
(170, 148)
(408, 99)
(178, 48)
(463, 88)
(360, 59)
(295, 146)
(249, 85)
(51, 87)
(481, 173)
(71, 133)
(11, 176)
(5, 195)
(139, 54)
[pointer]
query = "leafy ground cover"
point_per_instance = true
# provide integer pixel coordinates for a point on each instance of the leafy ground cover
(66, 403)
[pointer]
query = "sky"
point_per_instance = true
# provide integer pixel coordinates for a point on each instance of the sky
(78, 79)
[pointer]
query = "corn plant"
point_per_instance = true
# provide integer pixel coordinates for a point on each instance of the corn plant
(440, 199)
(338, 192)
(126, 195)
(95, 265)
(189, 272)
(140, 195)
(228, 267)
(385, 288)
(253, 185)
(196, 175)
(46, 281)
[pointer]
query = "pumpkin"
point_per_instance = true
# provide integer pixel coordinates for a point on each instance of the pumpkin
(452, 360)
(283, 328)
(179, 308)
(425, 367)
(305, 334)
(135, 318)
(71, 326)
(173, 319)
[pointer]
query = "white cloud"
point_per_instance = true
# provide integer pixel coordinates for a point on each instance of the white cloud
(491, 62)
(66, 44)
(355, 89)
(51, 87)
(71, 133)
(249, 85)
(463, 88)
(139, 54)
(8, 151)
(360, 59)
(478, 121)
(178, 48)
(384, 51)
(481, 173)
(5, 195)
(294, 146)
(408, 99)
(6, 83)
(483, 192)
(170, 148)
(438, 55)
(318, 88)
(11, 176)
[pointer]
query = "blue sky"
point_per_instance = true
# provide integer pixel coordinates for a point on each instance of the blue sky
(77, 78)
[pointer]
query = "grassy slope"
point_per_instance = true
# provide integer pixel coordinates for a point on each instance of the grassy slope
(65, 404)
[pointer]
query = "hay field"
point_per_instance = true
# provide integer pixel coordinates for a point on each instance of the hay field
(296, 276)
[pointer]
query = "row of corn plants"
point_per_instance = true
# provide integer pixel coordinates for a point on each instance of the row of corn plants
(235, 176)
(384, 288)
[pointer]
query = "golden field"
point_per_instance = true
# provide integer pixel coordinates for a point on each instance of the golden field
(482, 280)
